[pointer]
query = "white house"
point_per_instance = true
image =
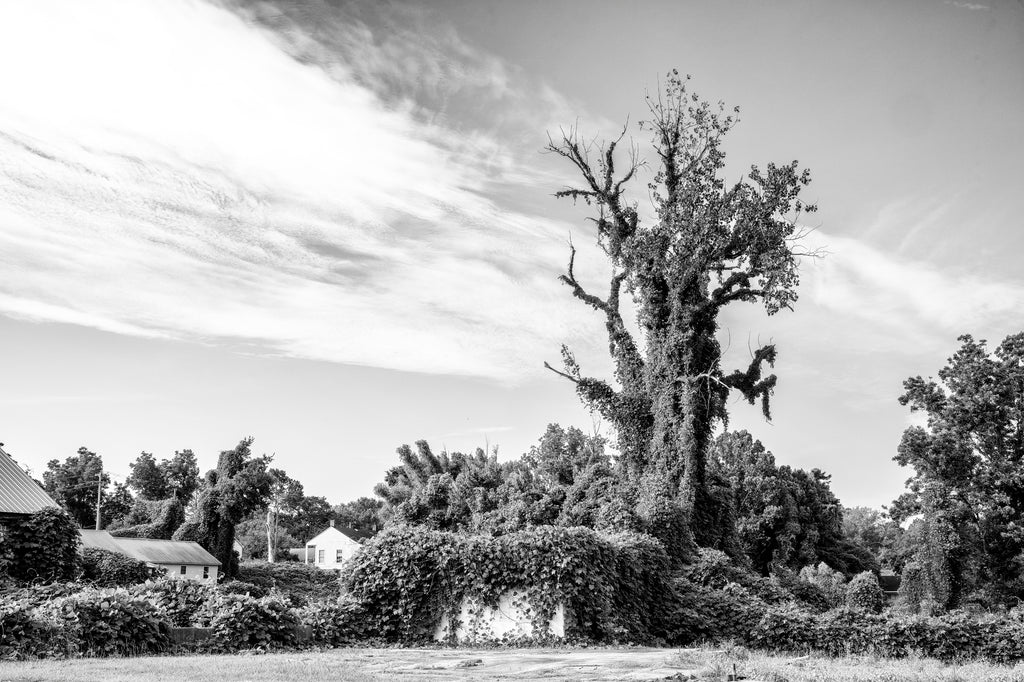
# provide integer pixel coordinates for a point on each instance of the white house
(177, 559)
(330, 549)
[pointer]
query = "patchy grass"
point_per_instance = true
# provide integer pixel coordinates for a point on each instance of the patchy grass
(621, 663)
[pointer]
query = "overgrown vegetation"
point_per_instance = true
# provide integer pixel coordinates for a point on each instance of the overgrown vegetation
(40, 547)
(615, 586)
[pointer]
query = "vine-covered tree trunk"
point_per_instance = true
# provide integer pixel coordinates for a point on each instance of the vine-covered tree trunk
(710, 246)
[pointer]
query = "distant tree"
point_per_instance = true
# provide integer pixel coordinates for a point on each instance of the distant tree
(146, 478)
(118, 504)
(177, 476)
(710, 245)
(968, 480)
(312, 516)
(362, 514)
(783, 516)
(251, 534)
(73, 482)
(283, 500)
(181, 473)
(238, 486)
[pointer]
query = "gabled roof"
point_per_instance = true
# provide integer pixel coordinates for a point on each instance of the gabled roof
(173, 552)
(332, 533)
(19, 494)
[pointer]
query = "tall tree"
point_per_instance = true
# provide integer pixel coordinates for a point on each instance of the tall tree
(238, 486)
(709, 246)
(73, 482)
(968, 466)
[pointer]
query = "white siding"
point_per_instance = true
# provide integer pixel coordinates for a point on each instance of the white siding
(191, 572)
(334, 545)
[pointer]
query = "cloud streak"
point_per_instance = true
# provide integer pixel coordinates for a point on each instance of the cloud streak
(229, 190)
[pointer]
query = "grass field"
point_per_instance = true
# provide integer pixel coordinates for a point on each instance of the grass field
(358, 665)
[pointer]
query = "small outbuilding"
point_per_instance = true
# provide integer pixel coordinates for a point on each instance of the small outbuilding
(177, 559)
(331, 548)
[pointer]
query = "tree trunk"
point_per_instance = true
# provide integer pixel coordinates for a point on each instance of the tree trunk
(271, 536)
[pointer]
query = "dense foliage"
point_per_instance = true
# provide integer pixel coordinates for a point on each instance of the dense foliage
(238, 486)
(177, 477)
(154, 519)
(110, 569)
(709, 246)
(567, 479)
(968, 481)
(614, 586)
(40, 547)
(107, 622)
(783, 516)
(73, 482)
(300, 583)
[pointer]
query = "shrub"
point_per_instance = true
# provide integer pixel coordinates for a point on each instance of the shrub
(110, 569)
(784, 628)
(864, 592)
(244, 622)
(108, 622)
(24, 635)
(181, 602)
(829, 581)
(334, 624)
(242, 587)
(300, 583)
(40, 547)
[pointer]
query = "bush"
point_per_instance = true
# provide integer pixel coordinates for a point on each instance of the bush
(830, 582)
(110, 569)
(334, 624)
(300, 583)
(244, 622)
(864, 592)
(181, 602)
(108, 622)
(612, 587)
(40, 547)
(24, 635)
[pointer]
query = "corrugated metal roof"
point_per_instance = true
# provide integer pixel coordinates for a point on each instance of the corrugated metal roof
(171, 552)
(19, 494)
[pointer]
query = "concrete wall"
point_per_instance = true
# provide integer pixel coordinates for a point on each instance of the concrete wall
(191, 572)
(510, 619)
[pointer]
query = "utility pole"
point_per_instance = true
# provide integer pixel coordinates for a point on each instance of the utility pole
(99, 499)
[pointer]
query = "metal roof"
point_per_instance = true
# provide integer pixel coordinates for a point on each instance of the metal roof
(19, 494)
(171, 552)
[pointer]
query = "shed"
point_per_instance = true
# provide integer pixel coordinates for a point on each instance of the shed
(178, 559)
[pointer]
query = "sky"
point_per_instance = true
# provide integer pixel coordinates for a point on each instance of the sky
(331, 226)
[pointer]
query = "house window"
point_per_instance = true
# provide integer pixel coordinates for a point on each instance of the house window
(320, 556)
(338, 557)
(182, 570)
(206, 572)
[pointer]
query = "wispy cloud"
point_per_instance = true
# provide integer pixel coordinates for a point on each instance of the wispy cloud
(169, 170)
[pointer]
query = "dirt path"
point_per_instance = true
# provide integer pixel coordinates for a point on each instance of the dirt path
(521, 664)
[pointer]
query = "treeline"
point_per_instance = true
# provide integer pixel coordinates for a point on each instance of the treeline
(244, 498)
